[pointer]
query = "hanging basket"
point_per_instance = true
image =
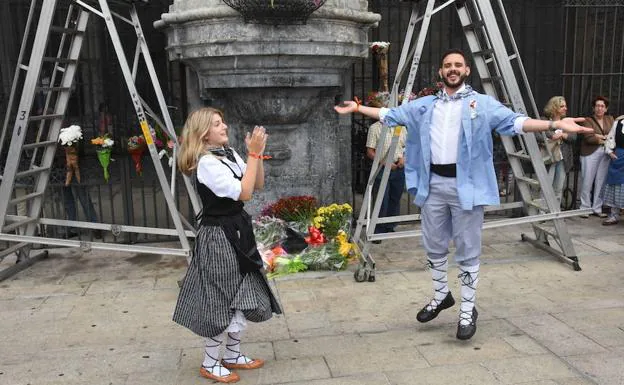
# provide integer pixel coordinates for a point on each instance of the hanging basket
(275, 11)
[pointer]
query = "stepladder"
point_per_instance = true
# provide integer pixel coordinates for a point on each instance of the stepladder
(497, 62)
(55, 33)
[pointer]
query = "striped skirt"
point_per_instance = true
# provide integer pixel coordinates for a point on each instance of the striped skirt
(614, 195)
(214, 289)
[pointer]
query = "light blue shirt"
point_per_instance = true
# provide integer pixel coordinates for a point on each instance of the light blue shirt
(480, 115)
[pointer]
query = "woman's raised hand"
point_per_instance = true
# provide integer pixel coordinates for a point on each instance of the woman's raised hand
(256, 141)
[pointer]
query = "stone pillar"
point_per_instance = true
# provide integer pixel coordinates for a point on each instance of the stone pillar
(286, 78)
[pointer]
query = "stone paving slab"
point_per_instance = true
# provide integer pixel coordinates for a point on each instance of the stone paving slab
(105, 318)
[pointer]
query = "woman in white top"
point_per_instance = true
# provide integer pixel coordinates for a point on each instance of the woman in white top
(225, 285)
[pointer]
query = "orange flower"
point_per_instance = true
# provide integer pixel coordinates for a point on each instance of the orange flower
(97, 141)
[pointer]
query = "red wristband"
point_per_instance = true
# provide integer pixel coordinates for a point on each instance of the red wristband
(257, 156)
(358, 102)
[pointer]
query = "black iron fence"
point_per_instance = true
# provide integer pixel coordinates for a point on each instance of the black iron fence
(572, 48)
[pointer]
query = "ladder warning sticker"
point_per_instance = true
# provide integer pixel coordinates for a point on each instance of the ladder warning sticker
(146, 133)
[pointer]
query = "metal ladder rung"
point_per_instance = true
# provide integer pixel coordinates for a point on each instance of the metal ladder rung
(538, 206)
(59, 60)
(474, 25)
(492, 79)
(38, 144)
(67, 31)
(525, 179)
(23, 67)
(52, 89)
(32, 171)
(25, 198)
(520, 154)
(550, 230)
(16, 225)
(45, 117)
(484, 52)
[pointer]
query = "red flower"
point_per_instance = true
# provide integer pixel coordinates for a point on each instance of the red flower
(315, 237)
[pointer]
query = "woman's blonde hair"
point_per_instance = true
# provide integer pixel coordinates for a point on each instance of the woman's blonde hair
(553, 105)
(195, 130)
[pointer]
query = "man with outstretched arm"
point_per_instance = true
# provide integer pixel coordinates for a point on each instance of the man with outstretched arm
(450, 170)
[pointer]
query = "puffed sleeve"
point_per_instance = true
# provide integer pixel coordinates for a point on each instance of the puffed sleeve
(218, 177)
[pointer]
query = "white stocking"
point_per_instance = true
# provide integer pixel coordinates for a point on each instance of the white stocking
(211, 356)
(439, 276)
(469, 278)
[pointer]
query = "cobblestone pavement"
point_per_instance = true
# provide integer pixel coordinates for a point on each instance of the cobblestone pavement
(105, 318)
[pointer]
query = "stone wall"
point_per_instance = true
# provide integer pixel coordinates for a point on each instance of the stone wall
(286, 78)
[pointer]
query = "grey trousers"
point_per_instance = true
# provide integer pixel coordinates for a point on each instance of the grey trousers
(594, 169)
(443, 219)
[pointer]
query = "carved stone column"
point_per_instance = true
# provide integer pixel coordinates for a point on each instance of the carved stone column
(286, 78)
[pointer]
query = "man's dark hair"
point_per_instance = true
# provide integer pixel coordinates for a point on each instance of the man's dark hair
(599, 98)
(452, 51)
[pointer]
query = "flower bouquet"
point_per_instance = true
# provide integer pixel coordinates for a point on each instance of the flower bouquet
(431, 90)
(104, 146)
(380, 50)
(136, 148)
(69, 138)
(333, 218)
(298, 211)
(377, 99)
(168, 152)
(379, 47)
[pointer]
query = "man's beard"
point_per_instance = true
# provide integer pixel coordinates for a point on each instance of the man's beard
(459, 82)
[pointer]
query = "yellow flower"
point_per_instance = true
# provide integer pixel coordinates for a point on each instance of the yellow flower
(341, 237)
(318, 222)
(345, 248)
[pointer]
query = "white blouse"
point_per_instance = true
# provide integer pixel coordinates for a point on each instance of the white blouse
(218, 177)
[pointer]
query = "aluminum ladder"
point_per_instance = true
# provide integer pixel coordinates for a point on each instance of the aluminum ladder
(497, 65)
(32, 133)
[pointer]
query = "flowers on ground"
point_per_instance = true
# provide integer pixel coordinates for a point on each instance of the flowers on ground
(323, 244)
(104, 146)
(330, 219)
(293, 209)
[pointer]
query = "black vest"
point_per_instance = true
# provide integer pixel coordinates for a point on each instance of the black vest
(235, 222)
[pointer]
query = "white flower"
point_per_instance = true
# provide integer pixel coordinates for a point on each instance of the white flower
(70, 135)
(379, 44)
(108, 142)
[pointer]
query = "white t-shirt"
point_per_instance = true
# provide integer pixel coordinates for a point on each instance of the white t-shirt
(218, 177)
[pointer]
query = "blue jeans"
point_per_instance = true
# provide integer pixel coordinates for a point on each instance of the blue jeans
(391, 204)
(85, 202)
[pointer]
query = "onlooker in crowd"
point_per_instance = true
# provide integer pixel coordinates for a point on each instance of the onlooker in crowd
(560, 145)
(594, 161)
(391, 204)
(614, 189)
(105, 123)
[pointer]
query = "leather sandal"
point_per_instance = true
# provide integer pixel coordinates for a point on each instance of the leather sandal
(232, 377)
(249, 363)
